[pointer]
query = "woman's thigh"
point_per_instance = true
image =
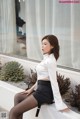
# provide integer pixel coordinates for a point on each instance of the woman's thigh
(28, 103)
(19, 97)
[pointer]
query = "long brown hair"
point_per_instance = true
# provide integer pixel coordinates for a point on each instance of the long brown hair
(53, 40)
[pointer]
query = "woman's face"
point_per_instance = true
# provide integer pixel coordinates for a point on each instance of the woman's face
(46, 46)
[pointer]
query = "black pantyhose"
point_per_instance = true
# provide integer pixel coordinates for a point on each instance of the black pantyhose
(22, 103)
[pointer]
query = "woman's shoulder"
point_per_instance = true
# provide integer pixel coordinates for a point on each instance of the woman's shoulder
(51, 59)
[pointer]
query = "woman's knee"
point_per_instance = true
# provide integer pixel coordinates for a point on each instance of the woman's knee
(12, 113)
(17, 98)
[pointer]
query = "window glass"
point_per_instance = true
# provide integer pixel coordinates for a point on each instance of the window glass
(24, 22)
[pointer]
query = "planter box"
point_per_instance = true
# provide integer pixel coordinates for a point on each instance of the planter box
(8, 91)
(27, 64)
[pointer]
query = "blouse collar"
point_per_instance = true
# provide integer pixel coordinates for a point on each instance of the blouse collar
(46, 55)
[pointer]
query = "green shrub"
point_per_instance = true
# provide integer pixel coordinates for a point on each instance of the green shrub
(12, 71)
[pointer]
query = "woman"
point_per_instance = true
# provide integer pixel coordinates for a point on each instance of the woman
(47, 90)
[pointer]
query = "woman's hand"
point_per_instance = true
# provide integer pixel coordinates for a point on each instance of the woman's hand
(65, 110)
(27, 92)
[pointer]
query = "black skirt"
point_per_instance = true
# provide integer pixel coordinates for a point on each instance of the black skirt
(43, 93)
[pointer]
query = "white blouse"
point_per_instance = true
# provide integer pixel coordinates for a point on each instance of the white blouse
(46, 70)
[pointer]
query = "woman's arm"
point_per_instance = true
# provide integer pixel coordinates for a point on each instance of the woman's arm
(29, 91)
(34, 86)
(60, 105)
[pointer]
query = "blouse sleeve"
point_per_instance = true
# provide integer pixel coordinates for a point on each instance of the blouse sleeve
(51, 65)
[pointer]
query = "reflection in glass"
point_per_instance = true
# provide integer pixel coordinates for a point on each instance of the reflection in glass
(23, 23)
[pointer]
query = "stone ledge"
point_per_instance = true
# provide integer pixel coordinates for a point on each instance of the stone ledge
(7, 93)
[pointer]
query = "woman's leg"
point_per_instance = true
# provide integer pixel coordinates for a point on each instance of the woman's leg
(19, 97)
(22, 106)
